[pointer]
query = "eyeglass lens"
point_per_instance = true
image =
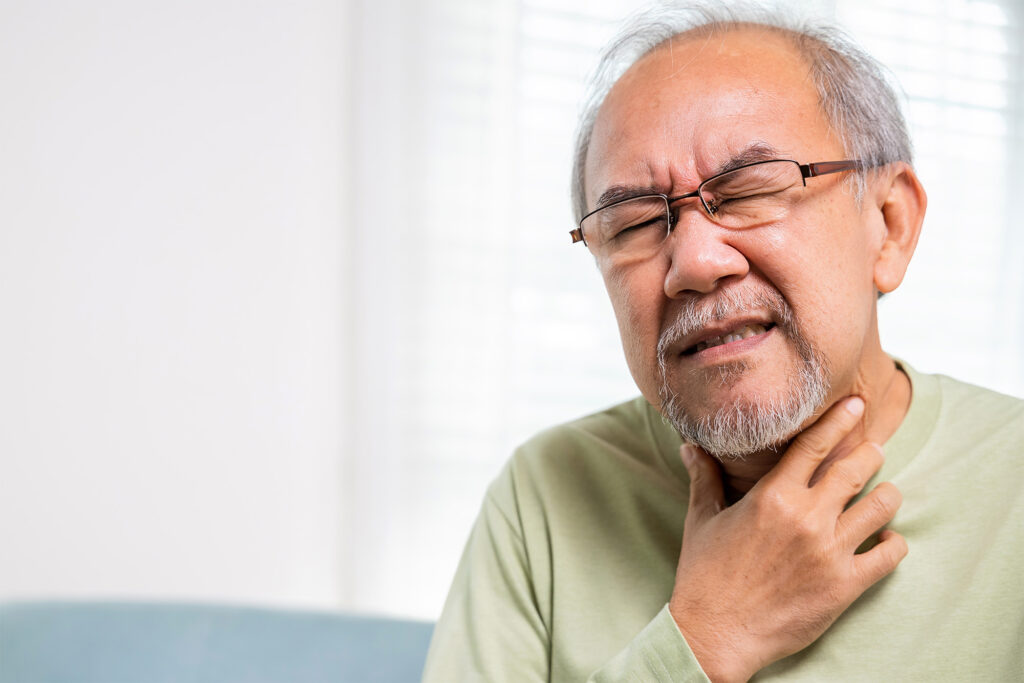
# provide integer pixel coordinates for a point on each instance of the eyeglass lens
(742, 198)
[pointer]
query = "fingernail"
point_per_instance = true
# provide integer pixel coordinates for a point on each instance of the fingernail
(855, 405)
(878, 447)
(686, 453)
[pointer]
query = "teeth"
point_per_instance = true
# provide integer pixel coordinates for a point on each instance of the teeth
(736, 335)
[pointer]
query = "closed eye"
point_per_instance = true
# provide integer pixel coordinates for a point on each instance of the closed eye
(721, 199)
(628, 230)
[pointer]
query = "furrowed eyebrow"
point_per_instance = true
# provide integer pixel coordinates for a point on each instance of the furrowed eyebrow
(756, 151)
(617, 193)
(753, 153)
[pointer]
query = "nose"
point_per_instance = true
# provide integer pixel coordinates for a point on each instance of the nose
(701, 255)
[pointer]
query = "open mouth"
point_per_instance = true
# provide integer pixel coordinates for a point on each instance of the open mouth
(744, 332)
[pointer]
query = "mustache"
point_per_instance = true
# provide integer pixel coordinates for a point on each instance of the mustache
(697, 312)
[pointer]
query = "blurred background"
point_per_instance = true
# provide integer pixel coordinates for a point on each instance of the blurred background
(282, 284)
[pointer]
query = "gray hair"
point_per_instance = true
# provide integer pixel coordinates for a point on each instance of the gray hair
(854, 91)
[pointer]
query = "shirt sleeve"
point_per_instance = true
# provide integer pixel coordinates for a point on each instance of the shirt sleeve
(658, 653)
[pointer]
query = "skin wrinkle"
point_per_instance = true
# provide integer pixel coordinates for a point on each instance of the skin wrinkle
(644, 170)
(757, 150)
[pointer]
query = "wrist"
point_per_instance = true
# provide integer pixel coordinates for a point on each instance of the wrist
(715, 649)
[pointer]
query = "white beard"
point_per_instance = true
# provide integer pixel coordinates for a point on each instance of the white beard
(739, 429)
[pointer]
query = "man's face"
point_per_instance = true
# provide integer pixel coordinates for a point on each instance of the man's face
(679, 116)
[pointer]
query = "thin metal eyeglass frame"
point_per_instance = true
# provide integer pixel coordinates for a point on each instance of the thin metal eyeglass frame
(810, 170)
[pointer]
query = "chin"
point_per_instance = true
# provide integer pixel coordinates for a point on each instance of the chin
(731, 415)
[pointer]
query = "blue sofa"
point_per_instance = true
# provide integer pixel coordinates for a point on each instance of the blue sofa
(94, 642)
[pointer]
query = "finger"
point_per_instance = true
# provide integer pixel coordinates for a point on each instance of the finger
(707, 498)
(882, 559)
(848, 475)
(813, 444)
(869, 514)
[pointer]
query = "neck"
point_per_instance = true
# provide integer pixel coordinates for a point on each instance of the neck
(886, 392)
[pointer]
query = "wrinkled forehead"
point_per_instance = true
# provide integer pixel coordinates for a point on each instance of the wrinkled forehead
(684, 110)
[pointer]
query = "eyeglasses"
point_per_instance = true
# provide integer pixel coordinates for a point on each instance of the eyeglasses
(743, 197)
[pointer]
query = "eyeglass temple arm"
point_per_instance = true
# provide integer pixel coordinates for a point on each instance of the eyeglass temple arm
(826, 167)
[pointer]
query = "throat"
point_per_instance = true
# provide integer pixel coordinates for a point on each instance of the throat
(739, 476)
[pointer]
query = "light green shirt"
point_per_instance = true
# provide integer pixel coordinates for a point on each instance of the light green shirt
(568, 570)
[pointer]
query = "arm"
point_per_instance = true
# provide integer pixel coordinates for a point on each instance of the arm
(490, 629)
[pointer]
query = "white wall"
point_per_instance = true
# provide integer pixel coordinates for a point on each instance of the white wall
(172, 299)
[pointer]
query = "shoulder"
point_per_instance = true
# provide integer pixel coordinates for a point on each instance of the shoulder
(626, 426)
(630, 434)
(945, 404)
(603, 454)
(966, 428)
(964, 401)
(969, 412)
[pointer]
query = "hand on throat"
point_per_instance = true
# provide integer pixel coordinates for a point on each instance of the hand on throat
(887, 399)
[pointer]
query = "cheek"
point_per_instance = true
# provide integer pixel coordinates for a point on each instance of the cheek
(636, 295)
(823, 254)
(631, 298)
(824, 269)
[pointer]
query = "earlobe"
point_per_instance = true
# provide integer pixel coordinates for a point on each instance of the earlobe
(902, 208)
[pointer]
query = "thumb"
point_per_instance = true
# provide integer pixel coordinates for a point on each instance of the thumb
(706, 496)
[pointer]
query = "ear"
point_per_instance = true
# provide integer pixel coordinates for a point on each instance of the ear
(902, 202)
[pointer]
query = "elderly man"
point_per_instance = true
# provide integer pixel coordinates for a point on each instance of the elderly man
(745, 187)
